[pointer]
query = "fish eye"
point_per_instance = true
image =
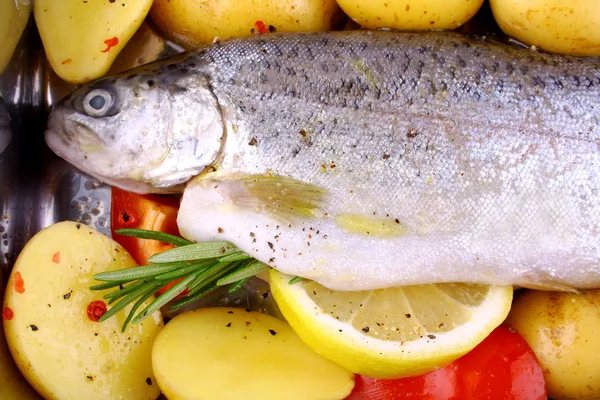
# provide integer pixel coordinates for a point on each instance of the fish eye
(98, 102)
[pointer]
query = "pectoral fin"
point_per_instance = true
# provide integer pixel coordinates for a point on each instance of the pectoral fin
(284, 198)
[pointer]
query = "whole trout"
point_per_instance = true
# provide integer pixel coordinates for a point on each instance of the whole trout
(362, 159)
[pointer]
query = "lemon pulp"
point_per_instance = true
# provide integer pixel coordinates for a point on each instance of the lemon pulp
(396, 332)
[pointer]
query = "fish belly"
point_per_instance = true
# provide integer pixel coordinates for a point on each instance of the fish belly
(485, 156)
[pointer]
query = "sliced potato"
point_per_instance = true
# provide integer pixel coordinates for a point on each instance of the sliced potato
(230, 353)
(53, 339)
(193, 23)
(12, 383)
(13, 20)
(563, 329)
(556, 26)
(82, 38)
(411, 14)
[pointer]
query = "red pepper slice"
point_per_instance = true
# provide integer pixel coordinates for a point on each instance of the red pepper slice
(502, 367)
(151, 212)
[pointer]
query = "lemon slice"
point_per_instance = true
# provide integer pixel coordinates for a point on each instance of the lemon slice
(392, 333)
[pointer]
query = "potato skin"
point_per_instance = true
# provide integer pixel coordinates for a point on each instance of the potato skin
(12, 383)
(411, 15)
(13, 21)
(82, 38)
(230, 353)
(563, 329)
(557, 26)
(193, 23)
(61, 352)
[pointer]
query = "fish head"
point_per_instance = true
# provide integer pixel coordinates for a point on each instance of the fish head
(148, 130)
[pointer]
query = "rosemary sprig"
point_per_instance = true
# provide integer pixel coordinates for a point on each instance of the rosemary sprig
(200, 268)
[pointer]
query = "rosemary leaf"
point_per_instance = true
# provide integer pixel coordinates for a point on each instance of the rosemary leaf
(128, 299)
(202, 268)
(238, 285)
(249, 270)
(211, 274)
(164, 298)
(107, 285)
(191, 268)
(125, 290)
(196, 251)
(150, 292)
(129, 274)
(191, 298)
(237, 256)
(153, 235)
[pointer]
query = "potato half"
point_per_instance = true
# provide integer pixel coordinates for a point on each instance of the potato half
(563, 329)
(13, 20)
(230, 353)
(411, 15)
(193, 23)
(49, 322)
(571, 27)
(83, 38)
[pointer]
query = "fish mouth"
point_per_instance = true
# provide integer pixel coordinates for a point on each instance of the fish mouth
(62, 136)
(65, 135)
(55, 136)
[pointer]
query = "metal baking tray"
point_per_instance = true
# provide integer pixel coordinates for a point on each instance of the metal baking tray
(37, 188)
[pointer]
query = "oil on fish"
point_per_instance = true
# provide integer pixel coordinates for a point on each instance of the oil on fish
(362, 159)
